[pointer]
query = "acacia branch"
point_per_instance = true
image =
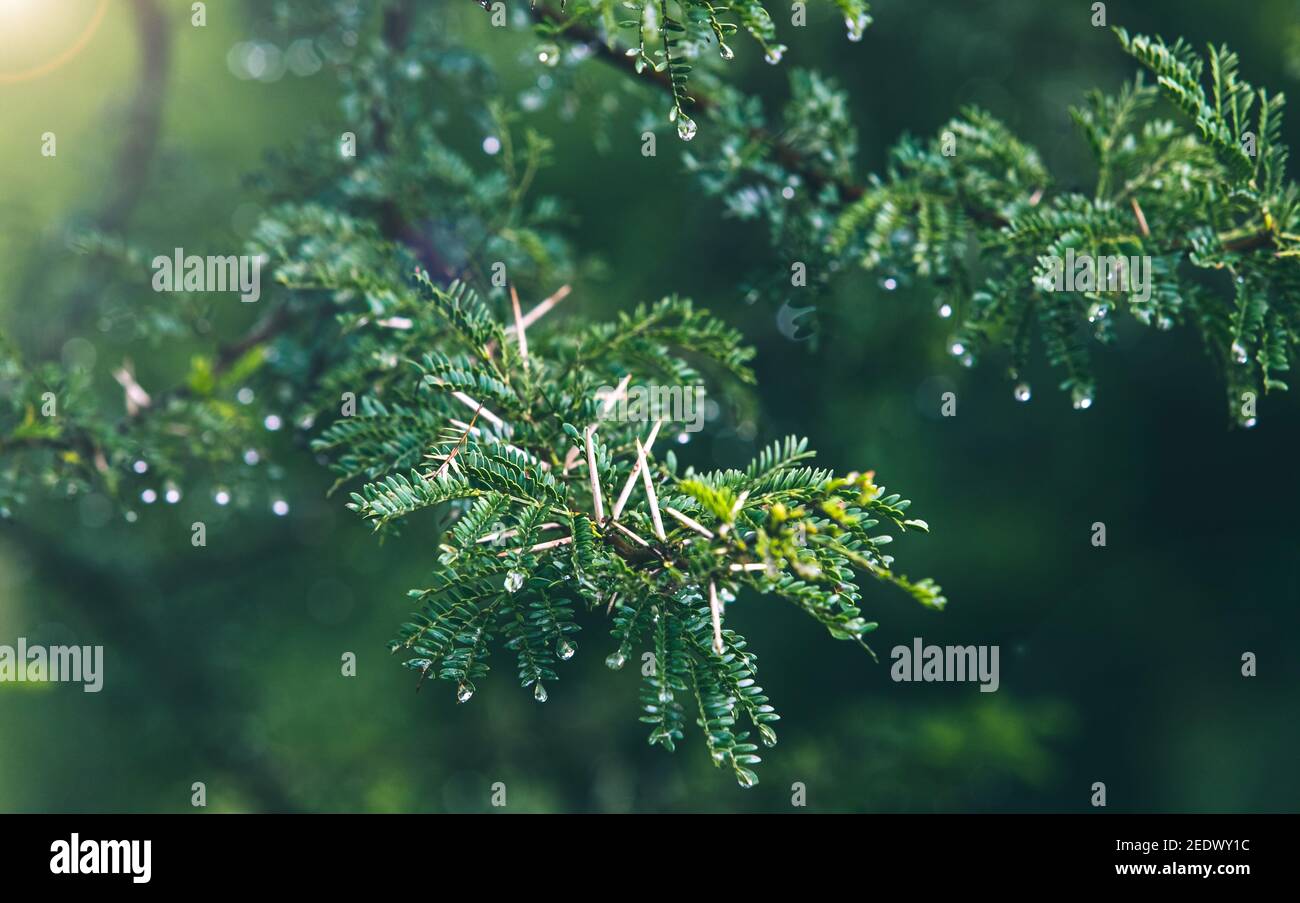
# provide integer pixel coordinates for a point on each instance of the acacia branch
(789, 156)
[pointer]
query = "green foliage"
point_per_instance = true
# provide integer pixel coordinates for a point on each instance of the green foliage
(527, 550)
(672, 37)
(1202, 200)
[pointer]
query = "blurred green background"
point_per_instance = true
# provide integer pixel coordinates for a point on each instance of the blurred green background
(1119, 665)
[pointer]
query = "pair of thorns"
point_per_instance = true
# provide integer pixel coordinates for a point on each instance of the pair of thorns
(641, 469)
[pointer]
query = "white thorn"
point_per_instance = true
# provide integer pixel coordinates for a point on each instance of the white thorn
(540, 310)
(540, 547)
(650, 495)
(612, 398)
(597, 502)
(521, 330)
(475, 406)
(690, 522)
(740, 503)
(506, 534)
(636, 470)
(715, 608)
(624, 529)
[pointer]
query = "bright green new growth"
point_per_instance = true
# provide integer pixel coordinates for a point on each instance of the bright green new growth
(509, 428)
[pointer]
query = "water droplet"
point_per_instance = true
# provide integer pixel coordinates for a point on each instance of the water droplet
(464, 692)
(685, 127)
(148, 496)
(1249, 423)
(967, 360)
(1097, 312)
(548, 55)
(221, 497)
(514, 580)
(615, 660)
(251, 457)
(245, 395)
(140, 466)
(272, 422)
(565, 650)
(280, 507)
(857, 27)
(957, 349)
(774, 54)
(491, 145)
(131, 516)
(945, 310)
(1082, 396)
(788, 193)
(889, 283)
(1239, 353)
(726, 52)
(1022, 392)
(173, 495)
(539, 693)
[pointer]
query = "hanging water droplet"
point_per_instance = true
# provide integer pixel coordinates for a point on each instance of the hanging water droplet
(221, 497)
(548, 55)
(465, 692)
(615, 660)
(1239, 353)
(726, 52)
(251, 457)
(565, 650)
(857, 27)
(140, 466)
(173, 495)
(148, 496)
(1022, 392)
(1097, 312)
(539, 693)
(1249, 423)
(279, 507)
(1082, 396)
(774, 54)
(945, 310)
(686, 127)
(967, 360)
(514, 580)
